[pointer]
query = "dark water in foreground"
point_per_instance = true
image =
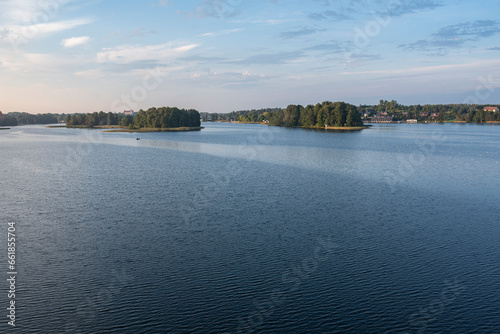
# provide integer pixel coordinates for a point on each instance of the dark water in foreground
(246, 228)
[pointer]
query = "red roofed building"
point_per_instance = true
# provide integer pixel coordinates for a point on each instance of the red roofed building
(494, 109)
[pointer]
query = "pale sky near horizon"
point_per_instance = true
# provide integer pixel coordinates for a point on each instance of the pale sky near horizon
(66, 56)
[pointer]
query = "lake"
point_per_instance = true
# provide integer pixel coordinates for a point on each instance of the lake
(254, 229)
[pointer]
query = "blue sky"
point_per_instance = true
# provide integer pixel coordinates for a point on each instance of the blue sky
(224, 55)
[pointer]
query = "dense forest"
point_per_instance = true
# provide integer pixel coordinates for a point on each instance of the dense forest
(321, 114)
(332, 114)
(98, 119)
(165, 117)
(250, 116)
(22, 118)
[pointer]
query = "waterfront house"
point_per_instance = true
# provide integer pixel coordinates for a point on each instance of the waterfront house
(494, 109)
(412, 121)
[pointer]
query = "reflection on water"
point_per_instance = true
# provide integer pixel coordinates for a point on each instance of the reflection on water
(218, 231)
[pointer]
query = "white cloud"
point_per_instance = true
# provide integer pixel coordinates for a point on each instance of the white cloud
(90, 74)
(75, 41)
(126, 54)
(31, 11)
(221, 33)
(158, 71)
(24, 63)
(26, 32)
(472, 66)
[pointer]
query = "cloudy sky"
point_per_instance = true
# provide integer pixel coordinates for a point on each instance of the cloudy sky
(224, 55)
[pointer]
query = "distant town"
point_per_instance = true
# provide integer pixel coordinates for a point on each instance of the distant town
(384, 112)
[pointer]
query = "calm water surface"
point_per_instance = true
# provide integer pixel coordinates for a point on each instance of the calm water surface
(248, 228)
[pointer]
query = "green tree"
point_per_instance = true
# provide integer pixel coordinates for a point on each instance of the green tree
(68, 120)
(291, 115)
(480, 116)
(441, 117)
(340, 114)
(125, 122)
(353, 117)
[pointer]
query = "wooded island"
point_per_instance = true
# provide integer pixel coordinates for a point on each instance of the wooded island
(151, 120)
(322, 115)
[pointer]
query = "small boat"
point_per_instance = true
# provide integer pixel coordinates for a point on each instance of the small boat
(138, 138)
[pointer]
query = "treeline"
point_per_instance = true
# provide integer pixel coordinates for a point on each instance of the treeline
(98, 118)
(21, 118)
(165, 117)
(478, 116)
(332, 114)
(324, 114)
(437, 112)
(251, 116)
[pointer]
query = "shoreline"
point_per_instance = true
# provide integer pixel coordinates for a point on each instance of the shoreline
(180, 129)
(87, 127)
(341, 128)
(332, 128)
(348, 128)
(118, 128)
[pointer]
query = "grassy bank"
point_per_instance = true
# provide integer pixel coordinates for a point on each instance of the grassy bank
(336, 128)
(239, 122)
(118, 128)
(88, 127)
(347, 128)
